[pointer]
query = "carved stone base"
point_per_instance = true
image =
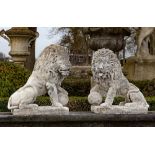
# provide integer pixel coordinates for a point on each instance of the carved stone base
(116, 109)
(135, 68)
(41, 110)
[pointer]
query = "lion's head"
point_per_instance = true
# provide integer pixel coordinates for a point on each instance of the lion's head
(54, 60)
(105, 66)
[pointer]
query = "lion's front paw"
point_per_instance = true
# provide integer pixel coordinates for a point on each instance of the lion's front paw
(57, 104)
(122, 103)
(28, 106)
(49, 85)
(105, 105)
(63, 99)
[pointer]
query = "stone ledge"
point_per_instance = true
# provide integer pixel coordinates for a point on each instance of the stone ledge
(79, 119)
(116, 109)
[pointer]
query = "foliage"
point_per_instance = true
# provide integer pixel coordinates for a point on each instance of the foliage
(74, 38)
(3, 104)
(77, 87)
(75, 103)
(146, 87)
(12, 77)
(81, 86)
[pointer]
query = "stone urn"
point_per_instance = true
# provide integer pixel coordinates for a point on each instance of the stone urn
(20, 39)
(106, 37)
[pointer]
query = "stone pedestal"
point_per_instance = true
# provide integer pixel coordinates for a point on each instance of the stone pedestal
(79, 119)
(41, 110)
(106, 37)
(20, 39)
(116, 109)
(140, 68)
(30, 60)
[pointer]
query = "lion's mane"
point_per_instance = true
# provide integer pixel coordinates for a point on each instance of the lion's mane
(111, 65)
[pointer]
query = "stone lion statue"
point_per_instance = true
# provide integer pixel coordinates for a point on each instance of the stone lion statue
(49, 71)
(111, 82)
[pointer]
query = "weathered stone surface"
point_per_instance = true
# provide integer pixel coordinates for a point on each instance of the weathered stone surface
(116, 109)
(140, 68)
(130, 42)
(50, 69)
(141, 65)
(41, 110)
(20, 39)
(111, 82)
(143, 41)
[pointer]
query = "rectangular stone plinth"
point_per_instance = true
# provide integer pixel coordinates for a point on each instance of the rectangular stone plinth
(79, 119)
(116, 109)
(42, 110)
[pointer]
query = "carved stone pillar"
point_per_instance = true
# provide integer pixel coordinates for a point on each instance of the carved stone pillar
(152, 43)
(30, 61)
(142, 67)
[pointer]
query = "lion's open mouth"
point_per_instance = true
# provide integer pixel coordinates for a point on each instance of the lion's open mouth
(64, 72)
(103, 75)
(100, 74)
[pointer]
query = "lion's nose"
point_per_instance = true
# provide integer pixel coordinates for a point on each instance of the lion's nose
(100, 66)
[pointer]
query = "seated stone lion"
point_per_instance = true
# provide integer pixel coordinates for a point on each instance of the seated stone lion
(49, 71)
(111, 82)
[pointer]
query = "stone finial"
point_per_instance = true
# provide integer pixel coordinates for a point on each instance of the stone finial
(19, 39)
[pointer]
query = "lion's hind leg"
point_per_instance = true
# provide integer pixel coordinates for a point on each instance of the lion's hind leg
(137, 99)
(22, 98)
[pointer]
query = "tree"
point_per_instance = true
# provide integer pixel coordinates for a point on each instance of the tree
(74, 38)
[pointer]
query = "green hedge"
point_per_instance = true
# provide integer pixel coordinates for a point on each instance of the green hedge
(12, 77)
(76, 86)
(147, 87)
(75, 103)
(3, 104)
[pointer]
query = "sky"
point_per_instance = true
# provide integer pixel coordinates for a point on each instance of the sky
(42, 41)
